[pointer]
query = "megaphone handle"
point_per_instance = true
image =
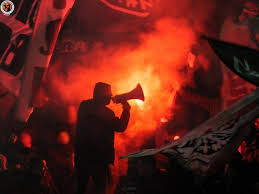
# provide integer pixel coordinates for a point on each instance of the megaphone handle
(117, 99)
(126, 105)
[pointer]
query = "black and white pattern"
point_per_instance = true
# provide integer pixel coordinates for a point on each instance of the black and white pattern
(210, 145)
(28, 39)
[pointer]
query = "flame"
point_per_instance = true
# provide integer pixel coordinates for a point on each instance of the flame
(154, 63)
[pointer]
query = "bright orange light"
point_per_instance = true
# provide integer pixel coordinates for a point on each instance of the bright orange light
(176, 137)
(163, 120)
(140, 104)
(191, 59)
(156, 64)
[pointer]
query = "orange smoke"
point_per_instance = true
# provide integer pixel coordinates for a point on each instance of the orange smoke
(154, 63)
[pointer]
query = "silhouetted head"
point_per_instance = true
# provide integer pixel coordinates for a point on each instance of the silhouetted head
(102, 93)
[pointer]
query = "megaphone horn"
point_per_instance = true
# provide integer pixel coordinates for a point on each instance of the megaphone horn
(136, 93)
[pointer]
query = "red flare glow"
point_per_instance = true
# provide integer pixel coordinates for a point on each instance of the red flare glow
(155, 64)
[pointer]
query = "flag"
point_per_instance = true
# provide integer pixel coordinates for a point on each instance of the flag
(209, 146)
(241, 60)
(29, 36)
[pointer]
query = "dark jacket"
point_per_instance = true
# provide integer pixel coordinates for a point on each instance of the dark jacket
(95, 132)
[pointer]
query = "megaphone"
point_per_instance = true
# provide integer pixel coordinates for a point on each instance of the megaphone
(136, 93)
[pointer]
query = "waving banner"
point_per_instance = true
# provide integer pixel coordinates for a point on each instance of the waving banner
(241, 60)
(208, 147)
(28, 38)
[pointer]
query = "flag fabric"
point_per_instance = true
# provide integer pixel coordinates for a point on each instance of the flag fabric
(208, 147)
(241, 60)
(29, 37)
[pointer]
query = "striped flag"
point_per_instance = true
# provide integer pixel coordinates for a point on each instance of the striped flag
(30, 35)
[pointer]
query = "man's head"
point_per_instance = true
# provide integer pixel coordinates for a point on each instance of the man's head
(102, 93)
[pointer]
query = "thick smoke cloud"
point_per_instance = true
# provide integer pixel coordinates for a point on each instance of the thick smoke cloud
(125, 50)
(154, 63)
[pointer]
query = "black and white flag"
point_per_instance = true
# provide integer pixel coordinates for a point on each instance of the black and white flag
(241, 60)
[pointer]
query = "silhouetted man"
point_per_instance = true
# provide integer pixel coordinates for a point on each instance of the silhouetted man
(94, 149)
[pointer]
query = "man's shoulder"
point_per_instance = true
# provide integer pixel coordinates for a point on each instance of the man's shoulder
(109, 112)
(86, 102)
(86, 107)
